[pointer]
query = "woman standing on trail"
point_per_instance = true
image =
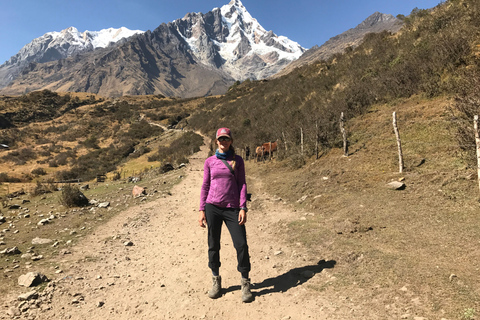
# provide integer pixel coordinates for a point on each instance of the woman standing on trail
(223, 198)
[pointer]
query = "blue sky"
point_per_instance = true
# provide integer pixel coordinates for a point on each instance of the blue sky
(308, 22)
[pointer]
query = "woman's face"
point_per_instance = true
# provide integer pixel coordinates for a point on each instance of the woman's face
(224, 144)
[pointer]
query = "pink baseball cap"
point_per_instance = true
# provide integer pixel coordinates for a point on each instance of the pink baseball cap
(224, 132)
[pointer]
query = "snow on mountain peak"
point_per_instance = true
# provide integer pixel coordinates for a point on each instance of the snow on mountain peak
(228, 35)
(57, 45)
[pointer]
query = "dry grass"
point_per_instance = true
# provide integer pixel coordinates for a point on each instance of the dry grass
(409, 252)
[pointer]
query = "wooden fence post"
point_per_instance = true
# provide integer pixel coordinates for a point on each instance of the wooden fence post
(316, 139)
(344, 135)
(301, 140)
(399, 143)
(285, 142)
(477, 142)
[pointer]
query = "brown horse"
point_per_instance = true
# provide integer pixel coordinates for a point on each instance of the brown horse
(265, 150)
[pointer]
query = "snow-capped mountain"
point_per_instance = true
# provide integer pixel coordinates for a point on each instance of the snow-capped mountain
(230, 39)
(196, 55)
(54, 46)
(59, 45)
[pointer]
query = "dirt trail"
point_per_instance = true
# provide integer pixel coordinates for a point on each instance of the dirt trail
(164, 275)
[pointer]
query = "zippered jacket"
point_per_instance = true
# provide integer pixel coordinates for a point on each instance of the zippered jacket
(220, 187)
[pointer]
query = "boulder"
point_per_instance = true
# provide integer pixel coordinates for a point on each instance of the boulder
(13, 250)
(138, 191)
(31, 279)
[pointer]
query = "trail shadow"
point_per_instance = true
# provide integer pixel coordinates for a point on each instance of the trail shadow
(290, 279)
(286, 281)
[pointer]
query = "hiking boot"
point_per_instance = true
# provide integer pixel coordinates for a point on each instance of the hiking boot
(247, 295)
(216, 288)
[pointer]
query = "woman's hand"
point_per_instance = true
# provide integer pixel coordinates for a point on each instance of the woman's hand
(242, 217)
(202, 220)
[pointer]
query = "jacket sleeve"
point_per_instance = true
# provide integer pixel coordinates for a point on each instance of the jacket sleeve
(241, 182)
(205, 185)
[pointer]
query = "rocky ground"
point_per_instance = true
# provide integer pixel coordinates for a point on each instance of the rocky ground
(150, 262)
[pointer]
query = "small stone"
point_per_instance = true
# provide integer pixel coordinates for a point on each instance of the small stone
(396, 185)
(128, 243)
(32, 295)
(104, 205)
(43, 222)
(39, 241)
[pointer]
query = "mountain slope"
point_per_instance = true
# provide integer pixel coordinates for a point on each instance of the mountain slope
(54, 46)
(377, 22)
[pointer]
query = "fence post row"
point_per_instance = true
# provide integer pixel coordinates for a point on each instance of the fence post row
(399, 143)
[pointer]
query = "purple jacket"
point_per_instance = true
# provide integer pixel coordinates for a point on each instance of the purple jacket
(220, 187)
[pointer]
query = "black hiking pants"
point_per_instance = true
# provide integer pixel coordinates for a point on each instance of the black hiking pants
(216, 216)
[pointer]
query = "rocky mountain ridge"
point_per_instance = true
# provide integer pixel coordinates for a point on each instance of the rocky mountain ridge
(377, 22)
(54, 46)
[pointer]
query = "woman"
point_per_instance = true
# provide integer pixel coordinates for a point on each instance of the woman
(223, 198)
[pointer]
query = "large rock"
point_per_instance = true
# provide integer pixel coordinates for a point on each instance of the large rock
(138, 191)
(32, 279)
(13, 250)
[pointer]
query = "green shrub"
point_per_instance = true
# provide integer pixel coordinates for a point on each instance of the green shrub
(4, 177)
(39, 172)
(72, 197)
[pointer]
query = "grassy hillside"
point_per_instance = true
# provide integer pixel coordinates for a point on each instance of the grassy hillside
(406, 253)
(434, 55)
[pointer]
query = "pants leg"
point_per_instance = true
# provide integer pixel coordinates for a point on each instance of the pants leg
(214, 226)
(239, 238)
(215, 217)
